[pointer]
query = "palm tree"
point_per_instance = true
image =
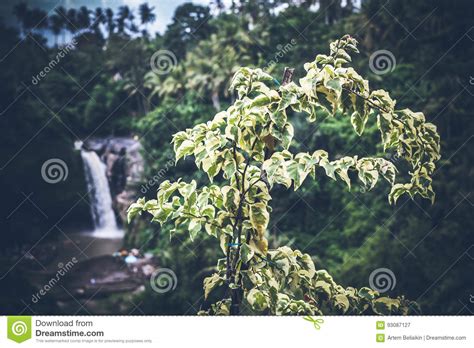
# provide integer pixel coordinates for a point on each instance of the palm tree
(99, 18)
(210, 66)
(83, 18)
(125, 19)
(133, 27)
(56, 24)
(30, 19)
(127, 57)
(146, 16)
(37, 19)
(109, 19)
(21, 12)
(62, 13)
(71, 20)
(172, 85)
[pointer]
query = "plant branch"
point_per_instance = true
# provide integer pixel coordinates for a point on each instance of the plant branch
(237, 229)
(203, 217)
(367, 100)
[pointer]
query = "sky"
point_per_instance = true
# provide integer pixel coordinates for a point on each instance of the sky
(164, 9)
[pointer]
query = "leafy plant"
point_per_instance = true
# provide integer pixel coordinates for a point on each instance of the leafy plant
(247, 147)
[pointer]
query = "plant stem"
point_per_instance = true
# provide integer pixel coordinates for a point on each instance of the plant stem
(235, 293)
(366, 99)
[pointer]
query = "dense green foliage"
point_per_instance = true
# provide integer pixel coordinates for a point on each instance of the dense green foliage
(105, 86)
(249, 143)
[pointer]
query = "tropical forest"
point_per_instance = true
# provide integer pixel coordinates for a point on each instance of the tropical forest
(300, 157)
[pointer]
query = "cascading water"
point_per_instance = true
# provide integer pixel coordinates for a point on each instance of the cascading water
(103, 216)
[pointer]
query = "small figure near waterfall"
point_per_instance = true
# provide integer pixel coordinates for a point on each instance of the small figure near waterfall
(119, 172)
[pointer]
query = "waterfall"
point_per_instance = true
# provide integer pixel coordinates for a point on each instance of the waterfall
(103, 215)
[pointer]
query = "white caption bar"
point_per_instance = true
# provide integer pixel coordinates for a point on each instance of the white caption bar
(230, 332)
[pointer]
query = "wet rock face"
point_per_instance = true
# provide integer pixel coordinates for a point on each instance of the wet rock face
(124, 166)
(125, 149)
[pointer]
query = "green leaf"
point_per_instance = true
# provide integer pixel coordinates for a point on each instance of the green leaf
(229, 166)
(135, 209)
(260, 245)
(287, 135)
(210, 283)
(194, 228)
(324, 287)
(396, 191)
(341, 302)
(184, 189)
(208, 211)
(231, 197)
(296, 172)
(330, 168)
(367, 293)
(257, 300)
(368, 172)
(259, 217)
(358, 122)
(283, 264)
(246, 253)
(279, 118)
(388, 170)
(233, 132)
(211, 166)
(288, 97)
(184, 149)
(385, 305)
(163, 213)
(336, 85)
(343, 166)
